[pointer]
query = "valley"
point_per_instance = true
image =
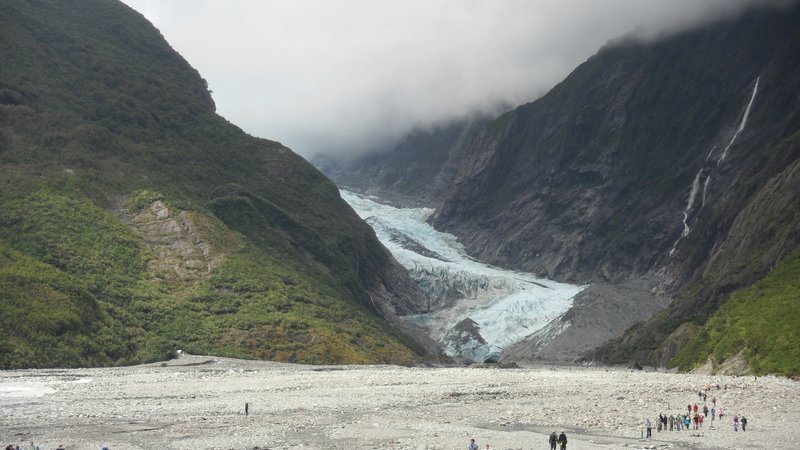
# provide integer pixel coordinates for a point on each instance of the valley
(474, 310)
(198, 402)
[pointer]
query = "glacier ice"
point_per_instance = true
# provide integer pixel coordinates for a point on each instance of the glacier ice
(504, 305)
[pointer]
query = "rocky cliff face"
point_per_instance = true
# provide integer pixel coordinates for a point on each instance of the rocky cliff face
(656, 170)
(675, 158)
(590, 182)
(415, 171)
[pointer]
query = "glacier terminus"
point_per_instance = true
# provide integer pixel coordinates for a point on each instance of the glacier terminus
(474, 309)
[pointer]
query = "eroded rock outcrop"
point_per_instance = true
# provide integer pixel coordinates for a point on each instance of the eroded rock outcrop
(181, 251)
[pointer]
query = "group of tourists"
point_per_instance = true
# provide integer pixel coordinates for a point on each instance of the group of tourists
(554, 440)
(694, 417)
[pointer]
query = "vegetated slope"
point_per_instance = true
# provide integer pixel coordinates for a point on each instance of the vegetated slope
(590, 182)
(415, 171)
(135, 221)
(759, 323)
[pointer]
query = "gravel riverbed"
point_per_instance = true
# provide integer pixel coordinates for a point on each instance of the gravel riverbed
(197, 402)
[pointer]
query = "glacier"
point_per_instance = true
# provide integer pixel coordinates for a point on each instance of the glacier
(474, 309)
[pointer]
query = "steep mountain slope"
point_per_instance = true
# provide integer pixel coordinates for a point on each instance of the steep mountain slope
(591, 182)
(135, 221)
(416, 171)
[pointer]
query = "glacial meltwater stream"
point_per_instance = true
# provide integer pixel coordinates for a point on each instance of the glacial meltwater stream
(474, 309)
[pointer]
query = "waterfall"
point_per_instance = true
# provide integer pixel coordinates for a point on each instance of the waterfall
(742, 124)
(707, 170)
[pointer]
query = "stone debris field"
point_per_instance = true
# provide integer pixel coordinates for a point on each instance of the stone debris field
(197, 402)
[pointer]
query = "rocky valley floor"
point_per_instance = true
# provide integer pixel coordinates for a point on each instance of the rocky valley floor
(197, 402)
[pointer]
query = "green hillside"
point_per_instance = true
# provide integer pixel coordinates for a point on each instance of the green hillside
(760, 322)
(134, 221)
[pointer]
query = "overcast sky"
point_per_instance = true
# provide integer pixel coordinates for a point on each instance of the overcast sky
(346, 75)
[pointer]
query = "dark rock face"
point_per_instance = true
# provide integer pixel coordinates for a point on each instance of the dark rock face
(599, 180)
(416, 171)
(590, 183)
(599, 313)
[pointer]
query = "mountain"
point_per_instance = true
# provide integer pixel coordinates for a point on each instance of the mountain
(134, 221)
(657, 170)
(415, 171)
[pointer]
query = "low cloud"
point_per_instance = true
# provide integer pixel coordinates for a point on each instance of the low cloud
(345, 76)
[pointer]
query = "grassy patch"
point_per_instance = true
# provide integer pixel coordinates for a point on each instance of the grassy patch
(762, 321)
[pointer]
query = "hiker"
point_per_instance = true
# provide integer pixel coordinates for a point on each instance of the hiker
(714, 399)
(649, 427)
(686, 422)
(553, 440)
(744, 422)
(694, 408)
(473, 445)
(658, 427)
(671, 422)
(713, 413)
(562, 441)
(705, 396)
(735, 422)
(705, 410)
(246, 409)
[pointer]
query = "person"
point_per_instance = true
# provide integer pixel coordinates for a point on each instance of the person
(713, 413)
(705, 410)
(562, 440)
(735, 422)
(473, 445)
(553, 440)
(649, 427)
(714, 399)
(671, 423)
(61, 447)
(744, 422)
(246, 409)
(487, 447)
